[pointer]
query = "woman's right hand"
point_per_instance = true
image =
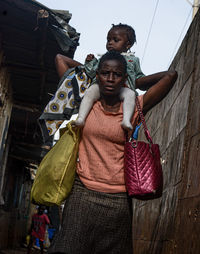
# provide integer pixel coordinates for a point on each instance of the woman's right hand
(89, 57)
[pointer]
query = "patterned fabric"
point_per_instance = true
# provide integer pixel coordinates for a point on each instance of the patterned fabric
(94, 223)
(72, 88)
(65, 102)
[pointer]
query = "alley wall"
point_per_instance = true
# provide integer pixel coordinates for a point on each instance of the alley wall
(170, 224)
(5, 113)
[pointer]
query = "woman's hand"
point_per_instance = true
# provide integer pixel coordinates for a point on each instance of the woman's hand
(89, 57)
(158, 91)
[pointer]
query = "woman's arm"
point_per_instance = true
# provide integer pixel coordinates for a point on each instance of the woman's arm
(144, 83)
(157, 92)
(63, 63)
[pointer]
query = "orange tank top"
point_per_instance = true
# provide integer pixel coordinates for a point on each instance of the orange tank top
(101, 150)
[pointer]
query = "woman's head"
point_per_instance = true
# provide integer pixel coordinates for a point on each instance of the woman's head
(120, 38)
(113, 55)
(111, 73)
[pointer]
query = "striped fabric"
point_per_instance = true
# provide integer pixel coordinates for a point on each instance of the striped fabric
(94, 223)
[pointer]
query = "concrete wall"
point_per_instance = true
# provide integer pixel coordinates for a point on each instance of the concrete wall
(170, 224)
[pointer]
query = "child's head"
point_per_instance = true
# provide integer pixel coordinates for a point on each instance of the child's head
(120, 38)
(41, 209)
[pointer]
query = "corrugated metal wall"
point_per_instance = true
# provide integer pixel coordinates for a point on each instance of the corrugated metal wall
(171, 224)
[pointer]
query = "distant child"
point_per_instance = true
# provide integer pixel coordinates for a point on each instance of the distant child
(120, 38)
(38, 228)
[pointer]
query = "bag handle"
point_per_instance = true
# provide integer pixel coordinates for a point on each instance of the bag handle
(146, 131)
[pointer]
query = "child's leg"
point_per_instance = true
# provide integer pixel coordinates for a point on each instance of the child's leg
(41, 246)
(30, 245)
(128, 96)
(91, 95)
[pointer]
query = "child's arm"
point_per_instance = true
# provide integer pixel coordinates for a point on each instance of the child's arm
(63, 63)
(144, 83)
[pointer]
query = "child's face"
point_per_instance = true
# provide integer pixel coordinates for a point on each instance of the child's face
(117, 40)
(111, 77)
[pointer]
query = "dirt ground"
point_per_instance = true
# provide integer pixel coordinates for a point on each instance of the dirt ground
(21, 250)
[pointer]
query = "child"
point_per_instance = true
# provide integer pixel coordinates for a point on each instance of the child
(74, 83)
(38, 228)
(120, 38)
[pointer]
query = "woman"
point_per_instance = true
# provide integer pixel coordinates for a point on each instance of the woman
(97, 215)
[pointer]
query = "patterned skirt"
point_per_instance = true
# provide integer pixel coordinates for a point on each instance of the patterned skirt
(94, 223)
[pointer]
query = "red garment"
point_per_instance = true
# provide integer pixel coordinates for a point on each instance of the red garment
(39, 225)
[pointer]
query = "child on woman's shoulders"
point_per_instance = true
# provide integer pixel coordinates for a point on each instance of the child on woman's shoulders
(120, 38)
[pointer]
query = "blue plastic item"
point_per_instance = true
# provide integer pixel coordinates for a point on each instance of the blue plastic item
(135, 134)
(51, 232)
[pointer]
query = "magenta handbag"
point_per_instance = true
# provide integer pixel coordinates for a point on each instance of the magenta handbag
(143, 170)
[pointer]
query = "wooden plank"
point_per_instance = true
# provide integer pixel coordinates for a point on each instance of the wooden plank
(42, 23)
(165, 130)
(171, 224)
(186, 234)
(153, 222)
(23, 68)
(172, 163)
(191, 186)
(194, 114)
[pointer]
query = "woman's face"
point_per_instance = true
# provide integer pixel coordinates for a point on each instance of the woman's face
(111, 77)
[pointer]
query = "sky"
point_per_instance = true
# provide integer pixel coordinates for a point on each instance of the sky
(160, 27)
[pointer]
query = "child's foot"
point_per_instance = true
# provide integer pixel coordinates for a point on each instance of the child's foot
(79, 122)
(126, 125)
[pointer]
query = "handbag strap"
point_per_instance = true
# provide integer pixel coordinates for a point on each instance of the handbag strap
(146, 131)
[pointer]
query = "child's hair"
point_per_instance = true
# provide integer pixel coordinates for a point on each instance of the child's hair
(129, 30)
(113, 55)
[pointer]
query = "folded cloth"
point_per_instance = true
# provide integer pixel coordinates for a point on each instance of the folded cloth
(65, 102)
